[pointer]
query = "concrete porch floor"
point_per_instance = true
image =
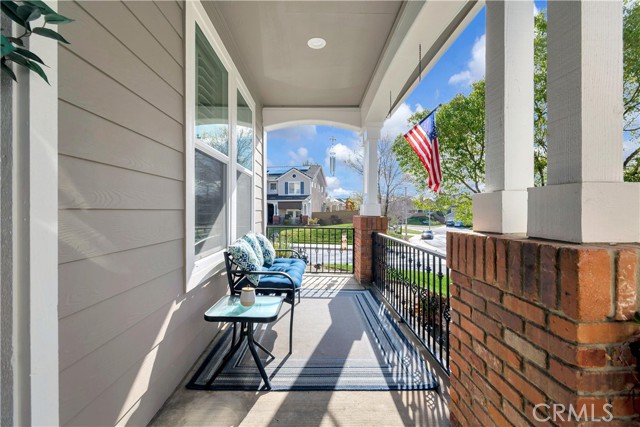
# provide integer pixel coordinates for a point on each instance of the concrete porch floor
(310, 408)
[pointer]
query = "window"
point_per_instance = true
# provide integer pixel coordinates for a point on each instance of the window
(212, 140)
(220, 148)
(212, 97)
(295, 187)
(244, 206)
(273, 187)
(210, 197)
(244, 134)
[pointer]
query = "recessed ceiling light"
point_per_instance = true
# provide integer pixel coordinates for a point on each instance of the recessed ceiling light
(317, 43)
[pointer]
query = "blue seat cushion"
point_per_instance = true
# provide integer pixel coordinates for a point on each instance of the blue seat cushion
(292, 266)
(293, 269)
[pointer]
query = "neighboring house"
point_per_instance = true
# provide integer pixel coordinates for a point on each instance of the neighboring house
(294, 192)
(333, 204)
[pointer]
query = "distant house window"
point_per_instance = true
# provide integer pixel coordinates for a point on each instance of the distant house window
(273, 186)
(295, 187)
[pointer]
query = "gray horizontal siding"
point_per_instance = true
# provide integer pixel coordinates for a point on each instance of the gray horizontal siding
(127, 331)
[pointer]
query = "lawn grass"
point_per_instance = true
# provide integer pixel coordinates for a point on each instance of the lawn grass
(422, 278)
(331, 234)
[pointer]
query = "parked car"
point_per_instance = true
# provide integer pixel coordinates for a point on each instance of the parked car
(449, 223)
(458, 224)
(427, 235)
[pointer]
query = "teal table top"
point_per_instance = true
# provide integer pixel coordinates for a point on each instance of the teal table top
(229, 309)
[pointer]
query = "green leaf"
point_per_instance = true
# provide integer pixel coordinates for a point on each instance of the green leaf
(16, 41)
(10, 9)
(6, 46)
(18, 59)
(56, 19)
(28, 13)
(46, 32)
(41, 6)
(30, 55)
(6, 69)
(636, 318)
(38, 70)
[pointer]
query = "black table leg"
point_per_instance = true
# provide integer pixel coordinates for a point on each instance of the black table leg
(251, 343)
(227, 356)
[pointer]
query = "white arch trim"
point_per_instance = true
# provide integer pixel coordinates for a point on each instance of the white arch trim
(275, 118)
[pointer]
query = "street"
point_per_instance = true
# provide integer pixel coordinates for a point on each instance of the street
(439, 242)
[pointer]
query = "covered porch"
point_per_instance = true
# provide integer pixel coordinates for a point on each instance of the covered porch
(312, 408)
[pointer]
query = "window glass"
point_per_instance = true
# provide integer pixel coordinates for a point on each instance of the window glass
(210, 204)
(273, 186)
(294, 187)
(243, 199)
(244, 130)
(212, 103)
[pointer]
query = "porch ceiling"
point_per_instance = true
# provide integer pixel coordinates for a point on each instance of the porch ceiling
(371, 51)
(272, 38)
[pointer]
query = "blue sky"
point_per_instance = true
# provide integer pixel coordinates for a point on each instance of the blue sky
(461, 65)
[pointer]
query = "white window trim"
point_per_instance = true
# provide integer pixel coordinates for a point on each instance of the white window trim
(196, 271)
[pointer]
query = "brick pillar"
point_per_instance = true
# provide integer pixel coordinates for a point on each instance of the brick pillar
(364, 227)
(542, 323)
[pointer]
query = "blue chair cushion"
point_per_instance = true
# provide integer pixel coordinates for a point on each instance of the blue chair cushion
(295, 269)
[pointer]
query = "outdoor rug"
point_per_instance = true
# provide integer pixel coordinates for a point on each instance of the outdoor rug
(342, 340)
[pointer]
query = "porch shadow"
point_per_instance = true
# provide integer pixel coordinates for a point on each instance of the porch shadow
(309, 408)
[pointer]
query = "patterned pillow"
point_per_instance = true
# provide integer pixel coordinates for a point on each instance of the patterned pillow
(268, 251)
(253, 241)
(246, 259)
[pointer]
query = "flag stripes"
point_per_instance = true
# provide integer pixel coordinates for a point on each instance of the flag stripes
(423, 140)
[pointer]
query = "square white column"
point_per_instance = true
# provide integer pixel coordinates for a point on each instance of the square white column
(371, 205)
(502, 208)
(586, 199)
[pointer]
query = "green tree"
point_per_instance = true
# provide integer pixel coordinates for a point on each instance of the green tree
(462, 144)
(540, 99)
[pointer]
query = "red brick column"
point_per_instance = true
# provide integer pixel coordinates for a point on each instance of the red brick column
(364, 227)
(542, 323)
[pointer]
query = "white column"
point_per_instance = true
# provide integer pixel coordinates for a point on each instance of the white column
(371, 205)
(586, 199)
(502, 208)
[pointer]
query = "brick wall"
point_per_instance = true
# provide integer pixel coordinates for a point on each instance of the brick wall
(364, 227)
(538, 322)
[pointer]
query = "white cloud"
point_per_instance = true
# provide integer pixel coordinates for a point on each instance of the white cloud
(475, 66)
(332, 182)
(342, 152)
(300, 156)
(397, 124)
(341, 192)
(294, 134)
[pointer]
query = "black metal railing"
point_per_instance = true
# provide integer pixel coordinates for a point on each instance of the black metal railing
(415, 282)
(326, 249)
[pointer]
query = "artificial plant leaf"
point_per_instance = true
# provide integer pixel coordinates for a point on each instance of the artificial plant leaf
(10, 9)
(28, 13)
(38, 70)
(18, 59)
(57, 19)
(46, 32)
(30, 55)
(6, 69)
(6, 46)
(16, 41)
(41, 6)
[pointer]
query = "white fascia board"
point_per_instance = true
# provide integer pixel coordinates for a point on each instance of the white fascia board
(435, 26)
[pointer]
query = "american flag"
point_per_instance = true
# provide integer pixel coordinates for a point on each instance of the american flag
(423, 138)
